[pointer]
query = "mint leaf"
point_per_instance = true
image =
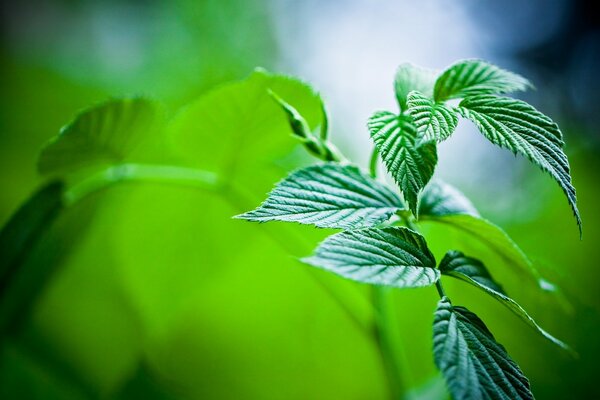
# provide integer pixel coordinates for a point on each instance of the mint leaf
(474, 364)
(393, 256)
(474, 77)
(472, 271)
(328, 196)
(434, 121)
(411, 163)
(439, 199)
(410, 77)
(101, 135)
(519, 127)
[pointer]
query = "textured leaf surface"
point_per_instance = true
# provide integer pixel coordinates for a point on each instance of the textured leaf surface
(517, 126)
(393, 256)
(104, 134)
(474, 77)
(434, 121)
(472, 271)
(439, 199)
(410, 77)
(328, 196)
(474, 364)
(410, 163)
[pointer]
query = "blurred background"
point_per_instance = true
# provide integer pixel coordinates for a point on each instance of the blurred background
(154, 292)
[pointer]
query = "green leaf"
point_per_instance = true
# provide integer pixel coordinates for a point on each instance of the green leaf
(517, 126)
(102, 135)
(440, 199)
(393, 256)
(434, 121)
(411, 163)
(328, 196)
(472, 271)
(474, 364)
(410, 77)
(474, 77)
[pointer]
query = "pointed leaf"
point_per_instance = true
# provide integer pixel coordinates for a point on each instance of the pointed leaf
(474, 77)
(517, 126)
(393, 256)
(439, 199)
(410, 77)
(434, 121)
(472, 271)
(474, 364)
(328, 196)
(410, 163)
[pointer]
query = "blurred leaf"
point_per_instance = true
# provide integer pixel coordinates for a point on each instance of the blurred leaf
(410, 77)
(472, 271)
(328, 196)
(393, 256)
(410, 163)
(440, 199)
(475, 77)
(435, 121)
(474, 364)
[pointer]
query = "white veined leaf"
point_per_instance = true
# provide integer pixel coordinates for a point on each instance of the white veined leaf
(410, 163)
(434, 121)
(410, 77)
(472, 271)
(519, 127)
(473, 363)
(393, 256)
(328, 196)
(439, 199)
(473, 77)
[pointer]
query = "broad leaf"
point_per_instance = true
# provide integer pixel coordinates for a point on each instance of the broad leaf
(393, 256)
(328, 196)
(472, 271)
(105, 134)
(410, 77)
(474, 77)
(434, 121)
(517, 126)
(410, 162)
(440, 199)
(474, 364)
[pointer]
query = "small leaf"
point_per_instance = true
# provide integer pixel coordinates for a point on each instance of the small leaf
(328, 196)
(393, 256)
(517, 126)
(472, 271)
(474, 364)
(410, 77)
(474, 77)
(440, 199)
(434, 121)
(102, 135)
(410, 163)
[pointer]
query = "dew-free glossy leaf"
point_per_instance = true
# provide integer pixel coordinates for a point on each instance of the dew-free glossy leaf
(434, 121)
(410, 162)
(439, 199)
(328, 196)
(472, 271)
(473, 363)
(393, 256)
(474, 77)
(410, 77)
(517, 126)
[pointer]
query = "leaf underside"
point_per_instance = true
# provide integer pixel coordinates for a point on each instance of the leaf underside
(440, 199)
(393, 256)
(328, 196)
(410, 77)
(474, 365)
(434, 121)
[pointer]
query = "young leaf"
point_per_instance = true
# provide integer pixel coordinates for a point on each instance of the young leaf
(474, 364)
(434, 121)
(517, 126)
(474, 77)
(472, 271)
(393, 256)
(410, 77)
(104, 134)
(328, 196)
(439, 199)
(411, 163)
